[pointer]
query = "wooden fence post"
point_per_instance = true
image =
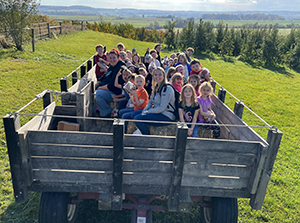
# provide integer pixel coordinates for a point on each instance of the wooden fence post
(239, 108)
(64, 84)
(274, 138)
(213, 84)
(11, 125)
(47, 99)
(81, 25)
(82, 70)
(178, 161)
(60, 28)
(118, 155)
(32, 40)
(74, 77)
(89, 65)
(40, 31)
(222, 94)
(48, 26)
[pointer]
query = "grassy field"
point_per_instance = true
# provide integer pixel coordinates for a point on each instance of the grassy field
(273, 93)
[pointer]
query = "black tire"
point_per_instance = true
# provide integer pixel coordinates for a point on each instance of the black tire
(223, 210)
(55, 208)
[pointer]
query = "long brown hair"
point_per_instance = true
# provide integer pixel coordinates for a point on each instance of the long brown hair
(155, 87)
(193, 98)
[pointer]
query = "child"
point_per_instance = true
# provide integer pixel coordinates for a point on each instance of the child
(129, 54)
(170, 73)
(136, 59)
(173, 55)
(101, 61)
(139, 97)
(194, 80)
(187, 68)
(121, 47)
(176, 81)
(206, 114)
(123, 55)
(195, 66)
(153, 53)
(188, 53)
(121, 99)
(188, 107)
(171, 62)
(204, 75)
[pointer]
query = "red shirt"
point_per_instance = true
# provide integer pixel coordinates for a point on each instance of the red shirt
(99, 71)
(194, 73)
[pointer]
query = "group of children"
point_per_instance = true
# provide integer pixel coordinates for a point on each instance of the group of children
(183, 73)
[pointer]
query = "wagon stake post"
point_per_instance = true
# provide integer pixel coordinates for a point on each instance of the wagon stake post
(274, 139)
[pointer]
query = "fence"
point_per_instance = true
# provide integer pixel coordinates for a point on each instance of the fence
(43, 30)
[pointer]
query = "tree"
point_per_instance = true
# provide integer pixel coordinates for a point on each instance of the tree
(170, 34)
(15, 16)
(187, 35)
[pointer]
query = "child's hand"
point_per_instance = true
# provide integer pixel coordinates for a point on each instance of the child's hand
(148, 49)
(113, 96)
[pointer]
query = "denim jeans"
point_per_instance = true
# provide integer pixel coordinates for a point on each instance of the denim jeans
(130, 115)
(150, 116)
(102, 97)
(122, 104)
(125, 110)
(215, 128)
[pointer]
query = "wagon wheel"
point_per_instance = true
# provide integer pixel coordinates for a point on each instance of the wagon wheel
(55, 208)
(223, 210)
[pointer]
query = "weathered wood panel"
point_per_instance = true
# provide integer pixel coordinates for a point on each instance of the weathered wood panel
(71, 163)
(26, 159)
(228, 117)
(147, 178)
(230, 146)
(217, 192)
(149, 141)
(70, 138)
(137, 153)
(139, 166)
(65, 150)
(40, 122)
(214, 181)
(64, 176)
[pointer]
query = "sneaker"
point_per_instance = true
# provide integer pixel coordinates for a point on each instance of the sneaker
(137, 132)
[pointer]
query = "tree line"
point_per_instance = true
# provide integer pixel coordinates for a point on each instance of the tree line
(242, 16)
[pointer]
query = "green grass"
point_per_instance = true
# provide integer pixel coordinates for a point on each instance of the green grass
(273, 93)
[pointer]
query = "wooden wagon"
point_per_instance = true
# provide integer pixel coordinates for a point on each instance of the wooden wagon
(110, 166)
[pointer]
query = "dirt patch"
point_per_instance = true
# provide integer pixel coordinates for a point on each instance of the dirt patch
(19, 60)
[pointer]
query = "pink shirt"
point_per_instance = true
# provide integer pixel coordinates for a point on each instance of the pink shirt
(178, 87)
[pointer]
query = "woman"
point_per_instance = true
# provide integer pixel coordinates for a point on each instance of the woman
(161, 103)
(106, 84)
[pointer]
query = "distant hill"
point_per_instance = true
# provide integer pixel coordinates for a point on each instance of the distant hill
(90, 11)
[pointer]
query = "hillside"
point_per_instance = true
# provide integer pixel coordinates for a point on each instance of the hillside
(271, 92)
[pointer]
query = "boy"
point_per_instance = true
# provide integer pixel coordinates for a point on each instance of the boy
(153, 53)
(121, 47)
(189, 52)
(129, 54)
(123, 55)
(101, 61)
(139, 97)
(195, 66)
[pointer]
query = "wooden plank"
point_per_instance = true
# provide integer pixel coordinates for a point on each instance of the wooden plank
(257, 169)
(66, 110)
(118, 155)
(40, 122)
(148, 154)
(217, 192)
(214, 181)
(177, 170)
(166, 142)
(69, 187)
(274, 139)
(217, 169)
(145, 189)
(138, 166)
(26, 159)
(223, 110)
(71, 138)
(11, 124)
(219, 145)
(147, 178)
(80, 110)
(219, 157)
(83, 151)
(68, 176)
(71, 163)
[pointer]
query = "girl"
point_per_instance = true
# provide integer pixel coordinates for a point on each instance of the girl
(158, 108)
(170, 73)
(136, 59)
(187, 68)
(194, 80)
(206, 114)
(176, 81)
(188, 107)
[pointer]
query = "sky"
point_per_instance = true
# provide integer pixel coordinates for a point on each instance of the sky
(187, 5)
